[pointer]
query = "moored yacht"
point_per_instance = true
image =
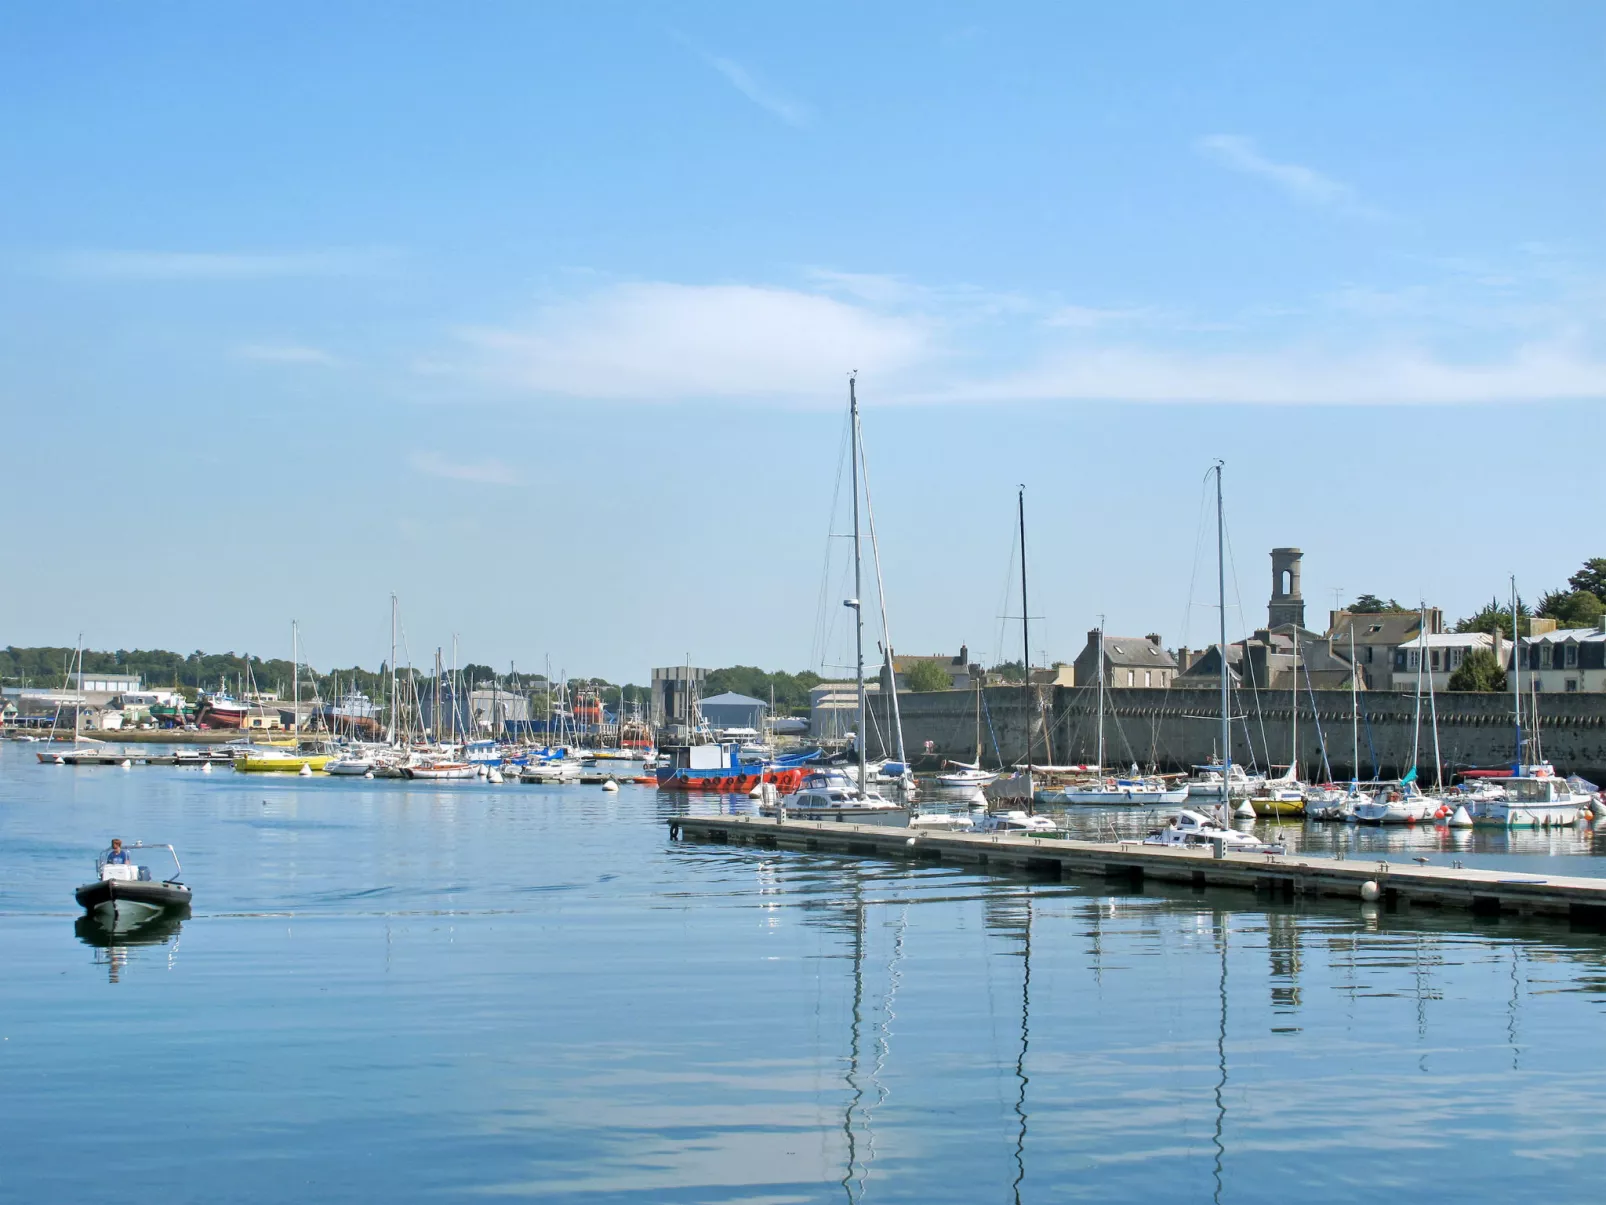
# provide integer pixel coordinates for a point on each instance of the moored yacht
(828, 793)
(1192, 830)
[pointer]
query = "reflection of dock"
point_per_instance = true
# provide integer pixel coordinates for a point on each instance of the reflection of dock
(1287, 876)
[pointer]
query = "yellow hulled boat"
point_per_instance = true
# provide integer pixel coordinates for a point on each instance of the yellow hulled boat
(283, 763)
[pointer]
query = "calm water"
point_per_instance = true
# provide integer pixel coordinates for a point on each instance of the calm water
(403, 992)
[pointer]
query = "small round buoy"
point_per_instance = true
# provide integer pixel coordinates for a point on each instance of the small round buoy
(1369, 891)
(368, 774)
(126, 764)
(206, 767)
(910, 841)
(610, 785)
(305, 771)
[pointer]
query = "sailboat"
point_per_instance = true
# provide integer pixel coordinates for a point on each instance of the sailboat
(1403, 802)
(964, 776)
(828, 793)
(1535, 795)
(1021, 786)
(1285, 795)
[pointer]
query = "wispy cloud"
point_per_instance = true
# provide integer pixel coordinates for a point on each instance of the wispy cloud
(1430, 342)
(666, 342)
(286, 353)
(215, 265)
(793, 112)
(1298, 181)
(482, 472)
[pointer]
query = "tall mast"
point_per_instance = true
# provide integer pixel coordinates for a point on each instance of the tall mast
(1354, 710)
(1101, 694)
(1026, 645)
(894, 716)
(1221, 605)
(78, 704)
(1433, 710)
(295, 673)
(390, 736)
(856, 602)
(1421, 659)
(1293, 722)
(1516, 675)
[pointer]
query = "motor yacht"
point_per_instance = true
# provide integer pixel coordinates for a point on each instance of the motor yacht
(1015, 821)
(1192, 830)
(828, 793)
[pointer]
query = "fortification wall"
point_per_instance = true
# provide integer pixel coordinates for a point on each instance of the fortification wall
(1178, 728)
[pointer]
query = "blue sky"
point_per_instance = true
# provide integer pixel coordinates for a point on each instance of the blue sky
(541, 317)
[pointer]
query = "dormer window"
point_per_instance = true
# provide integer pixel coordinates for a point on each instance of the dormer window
(1572, 654)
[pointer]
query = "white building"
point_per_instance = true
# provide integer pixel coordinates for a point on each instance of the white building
(1445, 652)
(1567, 660)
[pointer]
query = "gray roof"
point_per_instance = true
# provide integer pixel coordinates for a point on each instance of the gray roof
(1385, 627)
(731, 699)
(1136, 651)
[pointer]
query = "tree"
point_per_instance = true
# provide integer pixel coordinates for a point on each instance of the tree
(1371, 604)
(1480, 671)
(1578, 609)
(1495, 616)
(1591, 577)
(1010, 671)
(925, 676)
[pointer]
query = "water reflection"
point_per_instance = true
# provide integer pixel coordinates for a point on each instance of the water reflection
(117, 938)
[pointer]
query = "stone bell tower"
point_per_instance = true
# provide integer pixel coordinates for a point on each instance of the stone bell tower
(1287, 604)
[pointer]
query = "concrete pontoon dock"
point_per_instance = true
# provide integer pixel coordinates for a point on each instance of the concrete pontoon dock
(1283, 876)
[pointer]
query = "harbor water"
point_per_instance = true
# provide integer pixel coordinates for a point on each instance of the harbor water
(423, 992)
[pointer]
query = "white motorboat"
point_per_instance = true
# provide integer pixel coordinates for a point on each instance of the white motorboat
(555, 770)
(1206, 783)
(1401, 803)
(830, 794)
(943, 822)
(1191, 830)
(1015, 821)
(963, 778)
(1132, 791)
(1537, 799)
(439, 770)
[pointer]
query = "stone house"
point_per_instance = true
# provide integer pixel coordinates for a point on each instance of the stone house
(1129, 661)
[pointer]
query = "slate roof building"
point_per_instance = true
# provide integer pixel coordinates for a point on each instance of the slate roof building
(1140, 661)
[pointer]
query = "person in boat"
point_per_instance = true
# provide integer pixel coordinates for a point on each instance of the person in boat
(116, 855)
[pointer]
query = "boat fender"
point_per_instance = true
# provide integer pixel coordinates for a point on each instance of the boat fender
(1369, 891)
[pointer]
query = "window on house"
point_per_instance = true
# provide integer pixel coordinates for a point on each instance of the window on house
(1572, 684)
(1368, 654)
(1146, 678)
(1435, 659)
(1544, 656)
(1572, 655)
(1131, 677)
(1411, 661)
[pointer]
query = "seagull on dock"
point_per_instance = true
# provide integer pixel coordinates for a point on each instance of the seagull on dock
(1420, 861)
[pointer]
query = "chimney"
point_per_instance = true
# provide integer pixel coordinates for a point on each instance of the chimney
(1154, 639)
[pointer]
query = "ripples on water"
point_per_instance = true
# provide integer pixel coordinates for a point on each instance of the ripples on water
(407, 991)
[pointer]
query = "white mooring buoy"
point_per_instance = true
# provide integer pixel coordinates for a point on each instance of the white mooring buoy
(1461, 818)
(1369, 891)
(610, 785)
(305, 771)
(1243, 811)
(367, 773)
(126, 764)
(206, 767)
(493, 775)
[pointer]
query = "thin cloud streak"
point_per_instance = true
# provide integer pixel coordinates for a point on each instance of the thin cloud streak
(484, 472)
(286, 353)
(1298, 181)
(654, 342)
(215, 265)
